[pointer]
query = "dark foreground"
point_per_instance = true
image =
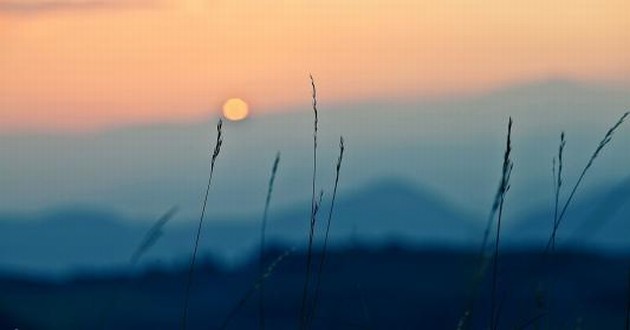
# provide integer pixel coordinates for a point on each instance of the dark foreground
(389, 288)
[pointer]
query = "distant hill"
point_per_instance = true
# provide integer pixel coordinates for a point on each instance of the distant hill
(380, 213)
(390, 210)
(600, 220)
(384, 212)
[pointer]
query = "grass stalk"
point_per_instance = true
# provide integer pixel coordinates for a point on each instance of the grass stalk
(263, 229)
(152, 236)
(557, 167)
(602, 144)
(313, 216)
(149, 240)
(322, 259)
(558, 186)
(191, 267)
(482, 259)
(504, 188)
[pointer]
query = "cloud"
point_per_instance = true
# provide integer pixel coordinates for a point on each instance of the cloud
(39, 6)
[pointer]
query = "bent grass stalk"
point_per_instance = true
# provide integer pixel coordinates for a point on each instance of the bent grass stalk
(215, 154)
(329, 220)
(261, 302)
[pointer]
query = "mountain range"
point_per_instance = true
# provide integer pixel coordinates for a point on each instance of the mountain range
(385, 212)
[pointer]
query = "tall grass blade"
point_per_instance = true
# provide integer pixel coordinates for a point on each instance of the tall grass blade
(504, 188)
(322, 259)
(313, 215)
(263, 229)
(558, 187)
(191, 267)
(557, 167)
(482, 258)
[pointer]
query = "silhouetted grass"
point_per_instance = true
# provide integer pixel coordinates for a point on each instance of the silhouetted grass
(504, 187)
(600, 147)
(557, 171)
(482, 258)
(328, 222)
(550, 248)
(152, 236)
(261, 302)
(215, 154)
(149, 240)
(558, 185)
(313, 215)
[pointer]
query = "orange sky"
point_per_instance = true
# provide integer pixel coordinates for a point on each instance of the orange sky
(74, 65)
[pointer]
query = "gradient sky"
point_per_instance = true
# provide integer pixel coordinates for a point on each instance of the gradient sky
(74, 65)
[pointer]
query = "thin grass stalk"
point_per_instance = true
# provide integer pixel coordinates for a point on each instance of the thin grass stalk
(322, 260)
(495, 273)
(558, 187)
(256, 286)
(191, 267)
(505, 186)
(479, 274)
(490, 223)
(263, 229)
(602, 144)
(557, 167)
(482, 258)
(150, 238)
(311, 233)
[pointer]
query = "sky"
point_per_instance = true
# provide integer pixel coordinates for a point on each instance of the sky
(82, 65)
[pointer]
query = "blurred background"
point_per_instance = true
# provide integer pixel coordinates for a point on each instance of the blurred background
(107, 120)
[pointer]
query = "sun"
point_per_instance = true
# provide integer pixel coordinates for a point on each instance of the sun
(235, 109)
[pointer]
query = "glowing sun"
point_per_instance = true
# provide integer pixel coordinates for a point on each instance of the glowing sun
(235, 109)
